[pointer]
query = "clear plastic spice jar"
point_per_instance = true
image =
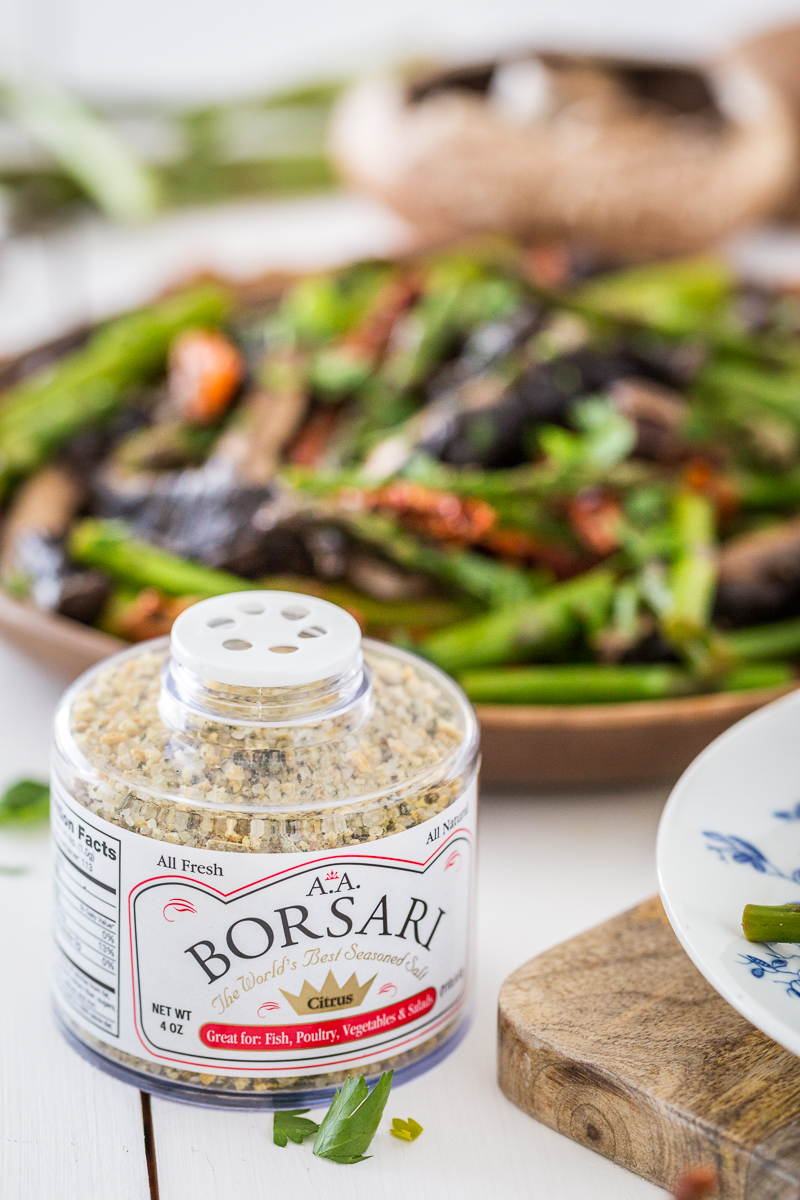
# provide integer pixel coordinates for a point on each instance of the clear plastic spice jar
(264, 851)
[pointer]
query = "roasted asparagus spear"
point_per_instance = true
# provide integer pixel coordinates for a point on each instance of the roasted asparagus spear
(489, 582)
(542, 625)
(693, 574)
(579, 684)
(108, 546)
(771, 922)
(40, 413)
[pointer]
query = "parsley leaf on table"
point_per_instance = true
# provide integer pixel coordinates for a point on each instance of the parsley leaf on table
(407, 1131)
(25, 802)
(292, 1126)
(352, 1120)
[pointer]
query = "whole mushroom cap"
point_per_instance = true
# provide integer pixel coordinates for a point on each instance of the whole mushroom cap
(634, 160)
(775, 56)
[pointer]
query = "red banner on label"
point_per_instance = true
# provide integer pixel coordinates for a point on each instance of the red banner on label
(320, 1033)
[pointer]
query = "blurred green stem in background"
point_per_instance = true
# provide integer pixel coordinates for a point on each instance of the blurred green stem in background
(86, 147)
(132, 161)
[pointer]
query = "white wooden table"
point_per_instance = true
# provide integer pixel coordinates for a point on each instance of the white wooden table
(549, 867)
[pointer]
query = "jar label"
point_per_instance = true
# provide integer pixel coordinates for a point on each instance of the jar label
(278, 965)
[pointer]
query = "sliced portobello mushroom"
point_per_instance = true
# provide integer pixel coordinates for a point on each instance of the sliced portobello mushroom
(44, 504)
(33, 560)
(759, 576)
(54, 584)
(209, 515)
(227, 513)
(499, 435)
(659, 415)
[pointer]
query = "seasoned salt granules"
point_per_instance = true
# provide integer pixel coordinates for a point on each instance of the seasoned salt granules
(264, 856)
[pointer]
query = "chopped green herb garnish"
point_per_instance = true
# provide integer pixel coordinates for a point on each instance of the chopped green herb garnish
(25, 802)
(352, 1120)
(292, 1126)
(407, 1131)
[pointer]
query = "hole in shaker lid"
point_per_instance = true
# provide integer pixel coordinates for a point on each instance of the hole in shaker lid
(312, 631)
(237, 644)
(282, 649)
(220, 623)
(294, 613)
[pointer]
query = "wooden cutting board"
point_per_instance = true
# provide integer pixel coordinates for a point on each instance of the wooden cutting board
(615, 1039)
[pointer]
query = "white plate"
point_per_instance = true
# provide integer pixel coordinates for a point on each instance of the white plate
(729, 836)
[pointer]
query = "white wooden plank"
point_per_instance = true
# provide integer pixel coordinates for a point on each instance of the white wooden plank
(104, 48)
(549, 867)
(68, 1131)
(91, 268)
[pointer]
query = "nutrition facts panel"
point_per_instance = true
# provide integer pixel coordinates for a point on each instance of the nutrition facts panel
(87, 862)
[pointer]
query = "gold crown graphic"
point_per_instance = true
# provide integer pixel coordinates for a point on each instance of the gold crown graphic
(330, 996)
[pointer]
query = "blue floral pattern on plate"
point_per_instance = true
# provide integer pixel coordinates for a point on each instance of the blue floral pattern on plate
(777, 967)
(730, 834)
(735, 849)
(782, 968)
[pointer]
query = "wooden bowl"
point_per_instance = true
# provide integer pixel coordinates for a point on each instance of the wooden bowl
(523, 745)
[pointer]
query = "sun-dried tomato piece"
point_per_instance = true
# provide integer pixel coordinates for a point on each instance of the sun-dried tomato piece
(702, 475)
(595, 517)
(150, 615)
(370, 336)
(519, 546)
(314, 437)
(442, 516)
(548, 265)
(205, 370)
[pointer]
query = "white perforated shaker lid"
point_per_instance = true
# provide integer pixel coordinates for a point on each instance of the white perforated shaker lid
(266, 639)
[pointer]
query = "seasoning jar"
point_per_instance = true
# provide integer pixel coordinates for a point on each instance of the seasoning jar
(264, 850)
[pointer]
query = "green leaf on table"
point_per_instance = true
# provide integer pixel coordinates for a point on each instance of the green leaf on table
(352, 1120)
(25, 802)
(292, 1126)
(407, 1131)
